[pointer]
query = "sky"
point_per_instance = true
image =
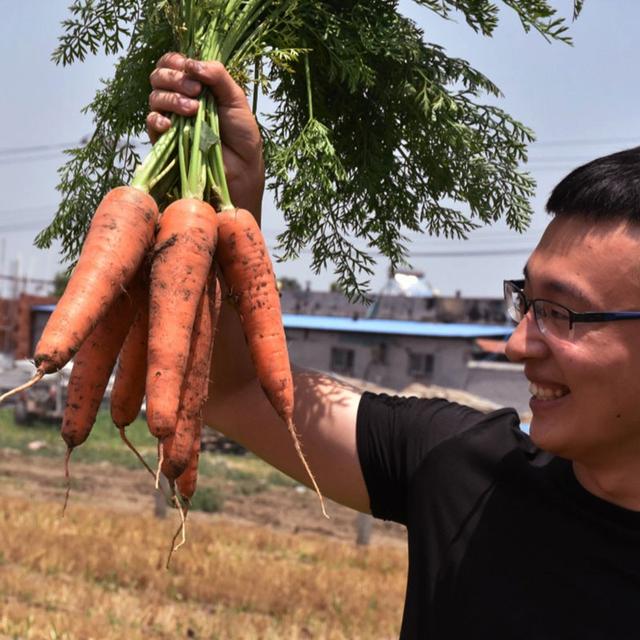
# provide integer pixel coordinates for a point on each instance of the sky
(581, 101)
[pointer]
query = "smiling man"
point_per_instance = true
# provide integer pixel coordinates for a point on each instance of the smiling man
(510, 536)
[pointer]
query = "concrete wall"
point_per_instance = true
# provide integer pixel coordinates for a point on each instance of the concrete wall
(383, 360)
(500, 382)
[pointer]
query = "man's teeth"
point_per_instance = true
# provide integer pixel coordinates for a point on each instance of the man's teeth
(543, 393)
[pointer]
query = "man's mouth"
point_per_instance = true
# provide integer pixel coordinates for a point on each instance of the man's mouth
(542, 392)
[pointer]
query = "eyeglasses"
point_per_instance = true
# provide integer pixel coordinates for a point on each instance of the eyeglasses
(553, 318)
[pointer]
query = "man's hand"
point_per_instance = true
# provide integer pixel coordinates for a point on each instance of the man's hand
(177, 82)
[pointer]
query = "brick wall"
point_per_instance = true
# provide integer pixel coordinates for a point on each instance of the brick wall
(16, 324)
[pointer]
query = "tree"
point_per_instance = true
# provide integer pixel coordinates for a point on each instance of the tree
(60, 281)
(289, 284)
(375, 131)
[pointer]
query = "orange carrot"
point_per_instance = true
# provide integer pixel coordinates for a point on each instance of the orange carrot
(128, 388)
(246, 267)
(177, 447)
(93, 364)
(181, 263)
(120, 235)
(187, 481)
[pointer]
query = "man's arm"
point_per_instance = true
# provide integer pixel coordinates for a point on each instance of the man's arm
(325, 409)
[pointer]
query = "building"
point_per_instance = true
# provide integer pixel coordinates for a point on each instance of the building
(390, 353)
(21, 322)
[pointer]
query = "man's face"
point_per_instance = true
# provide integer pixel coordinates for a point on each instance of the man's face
(586, 392)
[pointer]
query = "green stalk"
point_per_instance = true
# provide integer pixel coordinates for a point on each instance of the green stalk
(154, 164)
(215, 158)
(242, 23)
(307, 74)
(195, 185)
(170, 167)
(182, 155)
(256, 79)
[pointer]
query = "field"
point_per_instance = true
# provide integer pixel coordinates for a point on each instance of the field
(261, 562)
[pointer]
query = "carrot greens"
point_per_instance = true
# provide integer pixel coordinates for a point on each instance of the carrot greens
(370, 130)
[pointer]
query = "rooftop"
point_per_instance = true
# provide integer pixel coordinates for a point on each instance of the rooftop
(394, 327)
(380, 326)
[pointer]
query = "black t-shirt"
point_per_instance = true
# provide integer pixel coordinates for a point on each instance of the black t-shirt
(504, 543)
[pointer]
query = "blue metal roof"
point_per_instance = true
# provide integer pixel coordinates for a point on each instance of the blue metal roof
(377, 325)
(395, 327)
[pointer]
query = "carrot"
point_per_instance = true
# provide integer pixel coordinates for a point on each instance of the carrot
(92, 367)
(246, 267)
(186, 486)
(181, 263)
(128, 388)
(177, 447)
(93, 364)
(120, 235)
(187, 481)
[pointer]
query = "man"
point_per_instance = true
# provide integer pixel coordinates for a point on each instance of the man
(509, 536)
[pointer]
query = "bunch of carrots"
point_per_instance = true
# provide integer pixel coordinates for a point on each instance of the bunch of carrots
(145, 295)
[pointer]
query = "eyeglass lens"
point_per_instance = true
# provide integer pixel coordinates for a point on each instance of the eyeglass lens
(551, 318)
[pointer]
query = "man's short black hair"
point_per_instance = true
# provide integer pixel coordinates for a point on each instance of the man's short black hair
(605, 188)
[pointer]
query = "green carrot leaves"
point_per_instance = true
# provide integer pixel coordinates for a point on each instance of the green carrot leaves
(374, 131)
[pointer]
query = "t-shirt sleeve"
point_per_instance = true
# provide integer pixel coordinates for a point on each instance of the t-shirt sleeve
(394, 435)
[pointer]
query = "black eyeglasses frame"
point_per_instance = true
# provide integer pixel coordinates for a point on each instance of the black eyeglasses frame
(574, 316)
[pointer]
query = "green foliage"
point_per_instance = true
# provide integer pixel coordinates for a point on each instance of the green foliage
(375, 131)
(60, 281)
(208, 499)
(289, 284)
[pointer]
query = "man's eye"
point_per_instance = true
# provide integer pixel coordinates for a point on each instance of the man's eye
(556, 313)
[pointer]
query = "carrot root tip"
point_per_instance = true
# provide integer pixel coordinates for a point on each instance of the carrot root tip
(129, 444)
(160, 461)
(67, 476)
(182, 529)
(296, 443)
(23, 387)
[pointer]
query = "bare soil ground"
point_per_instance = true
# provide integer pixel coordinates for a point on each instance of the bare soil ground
(286, 509)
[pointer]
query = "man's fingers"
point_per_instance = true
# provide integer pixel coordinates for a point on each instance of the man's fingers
(172, 102)
(215, 76)
(172, 80)
(157, 124)
(172, 60)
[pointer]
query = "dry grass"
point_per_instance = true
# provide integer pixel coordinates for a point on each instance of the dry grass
(99, 574)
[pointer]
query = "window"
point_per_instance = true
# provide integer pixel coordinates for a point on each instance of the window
(420, 364)
(342, 360)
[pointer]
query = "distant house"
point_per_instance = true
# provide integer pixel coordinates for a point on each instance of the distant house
(392, 306)
(22, 320)
(390, 353)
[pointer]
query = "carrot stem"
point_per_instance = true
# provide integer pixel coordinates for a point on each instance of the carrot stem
(154, 164)
(217, 162)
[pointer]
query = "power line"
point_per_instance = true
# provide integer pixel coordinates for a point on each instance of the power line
(23, 159)
(39, 207)
(37, 148)
(448, 254)
(25, 279)
(584, 142)
(24, 226)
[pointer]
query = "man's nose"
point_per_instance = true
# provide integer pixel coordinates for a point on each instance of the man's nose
(526, 341)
